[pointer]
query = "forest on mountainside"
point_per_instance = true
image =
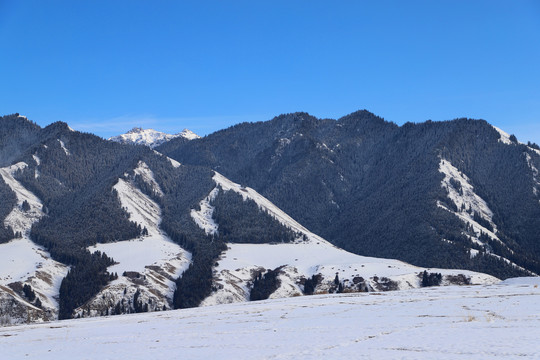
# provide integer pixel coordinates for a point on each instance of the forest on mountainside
(372, 187)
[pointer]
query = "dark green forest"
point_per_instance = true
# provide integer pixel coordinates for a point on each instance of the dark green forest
(372, 187)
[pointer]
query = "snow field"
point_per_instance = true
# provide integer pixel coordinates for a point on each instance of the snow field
(469, 322)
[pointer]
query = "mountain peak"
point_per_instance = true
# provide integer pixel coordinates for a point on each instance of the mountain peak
(150, 137)
(136, 130)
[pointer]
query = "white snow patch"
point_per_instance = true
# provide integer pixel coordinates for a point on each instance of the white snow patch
(36, 159)
(265, 204)
(19, 220)
(469, 322)
(142, 210)
(188, 134)
(148, 177)
(505, 137)
(203, 217)
(466, 199)
(64, 147)
(173, 162)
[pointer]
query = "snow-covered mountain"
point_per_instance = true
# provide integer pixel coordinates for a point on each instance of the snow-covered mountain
(470, 322)
(147, 266)
(459, 193)
(90, 227)
(151, 137)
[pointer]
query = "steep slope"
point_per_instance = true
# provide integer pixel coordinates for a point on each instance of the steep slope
(306, 258)
(375, 189)
(151, 137)
(148, 265)
(29, 278)
(16, 135)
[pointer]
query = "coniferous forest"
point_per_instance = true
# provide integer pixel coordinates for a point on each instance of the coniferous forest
(365, 184)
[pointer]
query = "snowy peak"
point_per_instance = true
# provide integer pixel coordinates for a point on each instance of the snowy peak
(150, 137)
(188, 134)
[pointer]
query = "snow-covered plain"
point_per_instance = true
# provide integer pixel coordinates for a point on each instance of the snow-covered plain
(467, 322)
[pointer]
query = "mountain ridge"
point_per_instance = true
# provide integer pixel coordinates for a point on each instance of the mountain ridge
(98, 198)
(151, 137)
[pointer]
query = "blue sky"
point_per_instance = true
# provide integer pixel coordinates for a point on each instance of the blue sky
(106, 66)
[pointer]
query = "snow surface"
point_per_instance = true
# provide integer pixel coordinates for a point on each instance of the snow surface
(469, 322)
(238, 264)
(64, 147)
(21, 260)
(173, 162)
(155, 249)
(265, 204)
(151, 137)
(469, 199)
(203, 217)
(505, 137)
(148, 177)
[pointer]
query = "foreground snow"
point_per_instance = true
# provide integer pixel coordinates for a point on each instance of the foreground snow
(469, 322)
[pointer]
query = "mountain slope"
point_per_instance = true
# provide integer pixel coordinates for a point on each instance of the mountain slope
(377, 189)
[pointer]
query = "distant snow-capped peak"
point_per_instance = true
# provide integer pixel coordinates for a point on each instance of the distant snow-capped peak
(151, 137)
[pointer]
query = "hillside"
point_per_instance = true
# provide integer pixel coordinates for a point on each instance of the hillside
(470, 322)
(452, 194)
(107, 229)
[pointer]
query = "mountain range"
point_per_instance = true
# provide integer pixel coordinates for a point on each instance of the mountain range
(94, 227)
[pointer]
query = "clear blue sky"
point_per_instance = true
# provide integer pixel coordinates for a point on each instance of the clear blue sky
(106, 66)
